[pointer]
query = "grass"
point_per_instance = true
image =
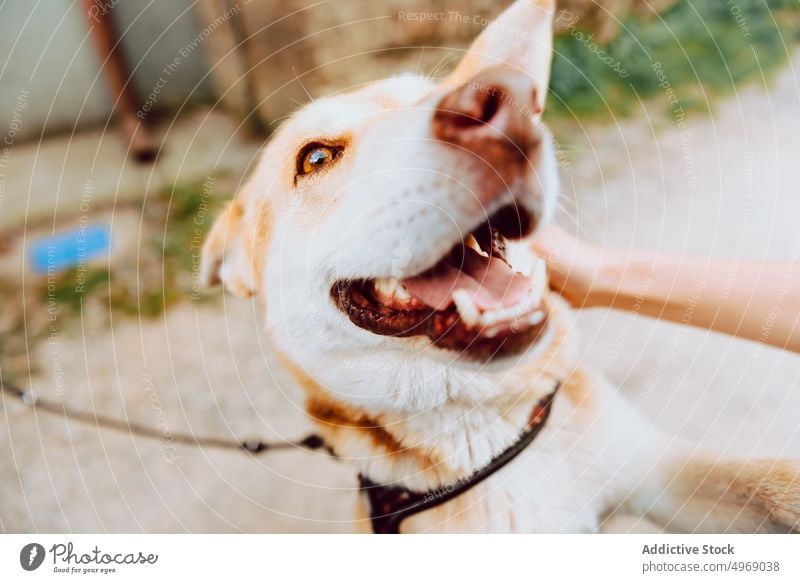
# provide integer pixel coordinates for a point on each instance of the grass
(158, 276)
(177, 220)
(704, 47)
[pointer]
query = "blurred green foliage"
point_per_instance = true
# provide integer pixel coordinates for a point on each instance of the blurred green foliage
(176, 222)
(705, 48)
(67, 294)
(160, 273)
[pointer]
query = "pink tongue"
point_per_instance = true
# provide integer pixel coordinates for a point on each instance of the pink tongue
(490, 281)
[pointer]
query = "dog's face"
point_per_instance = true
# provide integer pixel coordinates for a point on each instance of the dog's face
(383, 229)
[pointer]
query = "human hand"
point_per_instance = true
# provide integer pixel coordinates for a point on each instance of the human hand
(576, 269)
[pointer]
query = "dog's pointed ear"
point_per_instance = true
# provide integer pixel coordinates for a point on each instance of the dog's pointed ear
(520, 38)
(225, 254)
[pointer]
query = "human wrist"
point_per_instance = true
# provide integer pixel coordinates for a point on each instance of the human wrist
(606, 287)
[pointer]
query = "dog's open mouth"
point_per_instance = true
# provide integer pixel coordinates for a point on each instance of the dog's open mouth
(484, 297)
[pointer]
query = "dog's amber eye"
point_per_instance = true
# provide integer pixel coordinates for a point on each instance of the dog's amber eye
(314, 157)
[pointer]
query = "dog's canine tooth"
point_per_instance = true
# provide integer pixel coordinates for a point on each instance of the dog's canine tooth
(466, 308)
(473, 244)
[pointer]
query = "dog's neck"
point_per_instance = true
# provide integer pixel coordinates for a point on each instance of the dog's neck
(439, 445)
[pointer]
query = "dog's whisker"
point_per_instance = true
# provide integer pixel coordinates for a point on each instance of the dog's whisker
(280, 119)
(440, 66)
(297, 78)
(419, 60)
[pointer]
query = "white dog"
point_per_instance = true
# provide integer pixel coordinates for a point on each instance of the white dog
(383, 231)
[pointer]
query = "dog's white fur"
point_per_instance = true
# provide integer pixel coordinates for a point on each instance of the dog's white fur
(407, 412)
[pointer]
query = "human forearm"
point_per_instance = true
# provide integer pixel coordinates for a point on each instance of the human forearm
(757, 301)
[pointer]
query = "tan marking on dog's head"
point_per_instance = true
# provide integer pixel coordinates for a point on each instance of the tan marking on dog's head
(226, 258)
(235, 248)
(261, 228)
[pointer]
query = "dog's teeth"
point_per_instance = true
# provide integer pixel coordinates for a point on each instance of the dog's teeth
(466, 308)
(380, 286)
(505, 314)
(490, 317)
(386, 286)
(538, 281)
(390, 288)
(401, 293)
(520, 257)
(536, 318)
(472, 243)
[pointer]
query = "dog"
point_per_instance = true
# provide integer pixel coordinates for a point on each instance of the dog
(386, 231)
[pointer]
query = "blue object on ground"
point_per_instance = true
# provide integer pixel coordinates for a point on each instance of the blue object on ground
(70, 249)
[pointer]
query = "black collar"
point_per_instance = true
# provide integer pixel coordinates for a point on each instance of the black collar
(390, 505)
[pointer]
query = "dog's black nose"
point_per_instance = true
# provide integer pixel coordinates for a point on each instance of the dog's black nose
(491, 115)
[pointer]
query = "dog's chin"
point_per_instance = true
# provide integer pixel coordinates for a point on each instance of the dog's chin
(483, 299)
